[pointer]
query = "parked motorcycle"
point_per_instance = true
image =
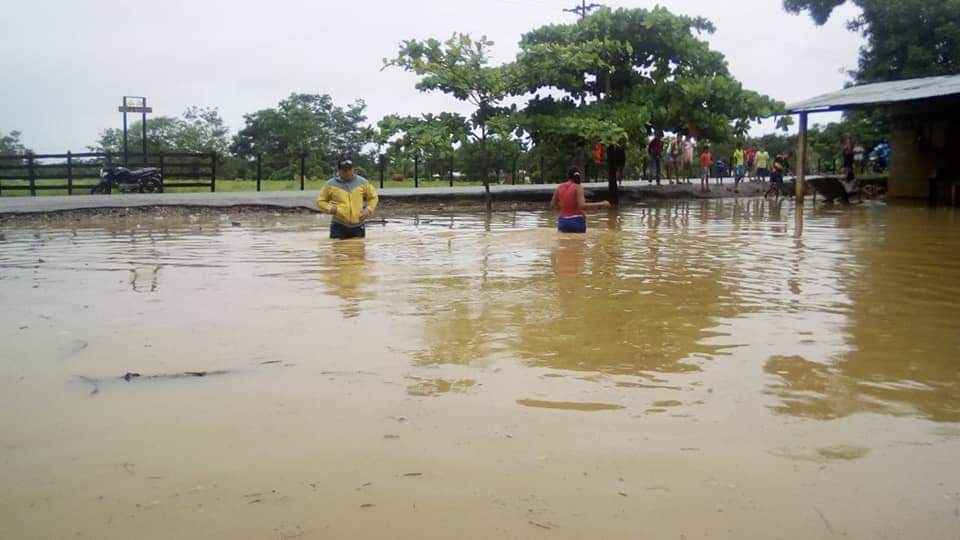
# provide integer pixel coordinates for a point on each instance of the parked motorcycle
(145, 180)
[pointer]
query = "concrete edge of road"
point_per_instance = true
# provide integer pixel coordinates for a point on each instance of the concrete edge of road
(286, 200)
(101, 208)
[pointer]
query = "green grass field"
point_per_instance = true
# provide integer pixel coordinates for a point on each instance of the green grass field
(82, 187)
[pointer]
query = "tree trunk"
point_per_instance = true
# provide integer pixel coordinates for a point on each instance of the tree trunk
(612, 186)
(486, 166)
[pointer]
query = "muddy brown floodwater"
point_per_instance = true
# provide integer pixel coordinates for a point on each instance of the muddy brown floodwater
(684, 370)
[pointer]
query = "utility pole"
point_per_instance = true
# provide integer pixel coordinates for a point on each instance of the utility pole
(583, 9)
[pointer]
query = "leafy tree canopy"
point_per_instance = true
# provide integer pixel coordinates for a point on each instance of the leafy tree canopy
(304, 124)
(10, 144)
(644, 68)
(199, 129)
(461, 67)
(429, 135)
(905, 38)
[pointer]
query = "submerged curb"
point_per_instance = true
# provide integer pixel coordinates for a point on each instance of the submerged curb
(540, 193)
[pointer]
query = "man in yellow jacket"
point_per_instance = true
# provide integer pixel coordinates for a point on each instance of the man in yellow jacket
(350, 199)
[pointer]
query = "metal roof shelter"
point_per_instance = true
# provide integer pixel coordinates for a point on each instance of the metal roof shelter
(872, 95)
(865, 97)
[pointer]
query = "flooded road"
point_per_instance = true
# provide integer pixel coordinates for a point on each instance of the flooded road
(716, 369)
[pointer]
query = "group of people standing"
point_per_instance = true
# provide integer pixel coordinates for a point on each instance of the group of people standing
(856, 159)
(673, 158)
(751, 163)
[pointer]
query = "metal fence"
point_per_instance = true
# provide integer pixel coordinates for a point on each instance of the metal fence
(32, 172)
(444, 170)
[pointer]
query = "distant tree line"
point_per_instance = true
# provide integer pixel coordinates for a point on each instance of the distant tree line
(613, 77)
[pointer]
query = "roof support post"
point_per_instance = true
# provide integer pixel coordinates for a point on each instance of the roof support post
(801, 176)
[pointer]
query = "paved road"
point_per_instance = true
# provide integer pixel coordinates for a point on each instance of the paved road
(305, 199)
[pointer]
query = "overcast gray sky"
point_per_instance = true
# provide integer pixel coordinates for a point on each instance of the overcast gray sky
(66, 63)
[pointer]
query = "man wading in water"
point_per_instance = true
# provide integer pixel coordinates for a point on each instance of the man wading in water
(344, 197)
(572, 203)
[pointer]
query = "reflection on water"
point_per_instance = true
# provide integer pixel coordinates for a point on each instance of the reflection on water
(821, 338)
(609, 304)
(857, 314)
(344, 270)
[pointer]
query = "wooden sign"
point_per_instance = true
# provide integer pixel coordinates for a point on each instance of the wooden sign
(135, 109)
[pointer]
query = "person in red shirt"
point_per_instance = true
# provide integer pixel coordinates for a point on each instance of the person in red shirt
(751, 155)
(706, 164)
(572, 203)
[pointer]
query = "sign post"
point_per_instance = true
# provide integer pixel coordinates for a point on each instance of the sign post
(135, 104)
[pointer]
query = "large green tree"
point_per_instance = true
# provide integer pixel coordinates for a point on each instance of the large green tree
(201, 129)
(904, 38)
(623, 73)
(10, 144)
(198, 130)
(308, 125)
(430, 138)
(461, 67)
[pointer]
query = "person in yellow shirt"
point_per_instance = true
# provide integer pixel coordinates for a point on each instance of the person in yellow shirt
(350, 199)
(763, 164)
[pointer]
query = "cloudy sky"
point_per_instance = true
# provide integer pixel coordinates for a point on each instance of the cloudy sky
(66, 63)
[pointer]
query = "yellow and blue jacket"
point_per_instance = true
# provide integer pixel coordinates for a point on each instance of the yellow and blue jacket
(349, 198)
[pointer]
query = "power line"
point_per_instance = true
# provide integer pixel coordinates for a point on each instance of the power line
(583, 9)
(532, 3)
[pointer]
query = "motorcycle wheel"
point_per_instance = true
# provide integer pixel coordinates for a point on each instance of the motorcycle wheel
(100, 189)
(151, 185)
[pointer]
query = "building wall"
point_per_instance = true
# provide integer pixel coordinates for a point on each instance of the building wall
(925, 138)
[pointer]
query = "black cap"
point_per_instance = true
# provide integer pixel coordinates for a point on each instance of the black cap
(344, 164)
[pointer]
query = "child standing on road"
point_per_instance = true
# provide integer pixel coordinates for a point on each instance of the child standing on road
(721, 170)
(740, 167)
(676, 153)
(751, 155)
(706, 163)
(687, 157)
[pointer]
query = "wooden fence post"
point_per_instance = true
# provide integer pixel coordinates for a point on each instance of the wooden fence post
(213, 172)
(33, 176)
(303, 171)
(259, 170)
(69, 172)
(383, 164)
(543, 173)
(161, 165)
(451, 170)
(416, 170)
